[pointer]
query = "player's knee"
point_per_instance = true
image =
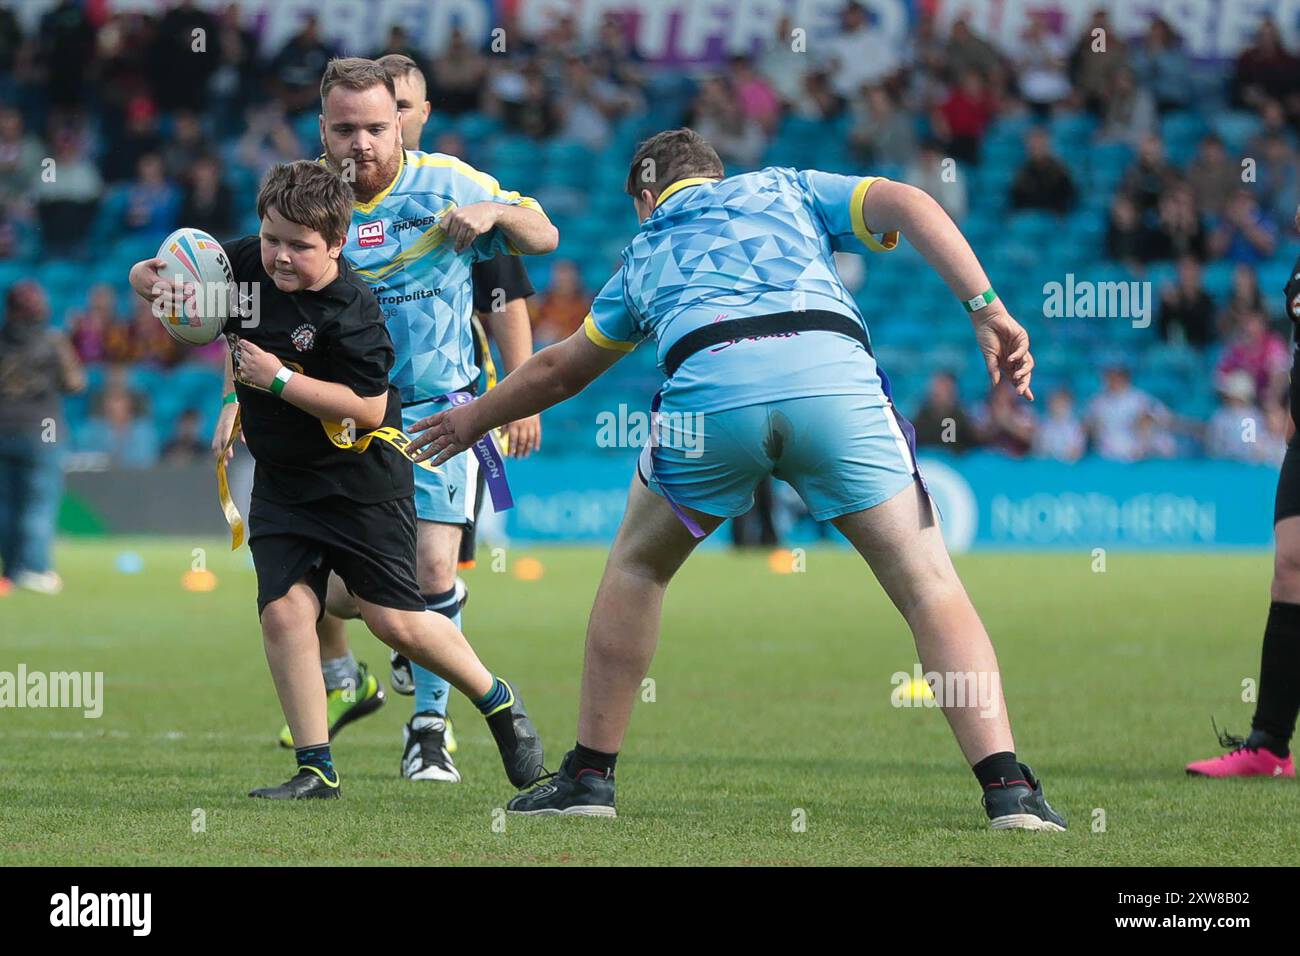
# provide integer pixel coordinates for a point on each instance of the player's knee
(398, 630)
(281, 617)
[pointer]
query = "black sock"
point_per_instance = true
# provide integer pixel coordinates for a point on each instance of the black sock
(584, 758)
(1279, 679)
(318, 757)
(997, 769)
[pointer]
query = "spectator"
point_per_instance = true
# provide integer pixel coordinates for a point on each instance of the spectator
(719, 120)
(1150, 175)
(234, 82)
(1123, 420)
(1095, 72)
(783, 65)
(1005, 423)
(142, 339)
(616, 56)
(1233, 429)
(400, 43)
(1278, 181)
(1154, 436)
(456, 77)
(1186, 309)
(757, 100)
(68, 202)
(819, 100)
(932, 172)
(1265, 70)
(186, 446)
(1244, 297)
(523, 100)
(968, 52)
(65, 50)
(184, 146)
(208, 203)
(881, 132)
(180, 77)
(941, 421)
(964, 116)
(1244, 234)
(37, 365)
(268, 140)
(1041, 64)
(1042, 182)
(139, 138)
(20, 160)
(1060, 435)
(1129, 111)
(120, 431)
(92, 326)
(560, 310)
(1258, 350)
(591, 104)
(1178, 229)
(1128, 239)
(151, 200)
(1162, 66)
(861, 54)
(1212, 176)
(296, 70)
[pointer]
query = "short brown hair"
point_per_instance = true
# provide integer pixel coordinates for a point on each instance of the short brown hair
(398, 65)
(353, 73)
(310, 194)
(669, 156)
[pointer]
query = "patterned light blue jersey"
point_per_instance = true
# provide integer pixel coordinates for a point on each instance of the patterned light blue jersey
(423, 285)
(753, 244)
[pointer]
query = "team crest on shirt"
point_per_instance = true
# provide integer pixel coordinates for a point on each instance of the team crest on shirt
(370, 234)
(304, 337)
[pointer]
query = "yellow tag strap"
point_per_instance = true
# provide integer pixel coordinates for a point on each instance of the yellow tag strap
(223, 490)
(340, 436)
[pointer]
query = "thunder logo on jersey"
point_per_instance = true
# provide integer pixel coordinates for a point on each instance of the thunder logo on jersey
(422, 284)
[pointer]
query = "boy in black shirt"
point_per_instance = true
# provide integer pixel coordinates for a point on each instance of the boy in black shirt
(318, 353)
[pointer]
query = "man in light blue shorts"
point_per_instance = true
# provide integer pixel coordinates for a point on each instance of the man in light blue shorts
(769, 371)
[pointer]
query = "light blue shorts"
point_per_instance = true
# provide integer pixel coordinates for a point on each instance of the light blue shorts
(840, 453)
(448, 495)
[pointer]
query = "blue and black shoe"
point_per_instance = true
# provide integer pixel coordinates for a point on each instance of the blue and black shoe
(588, 793)
(1020, 805)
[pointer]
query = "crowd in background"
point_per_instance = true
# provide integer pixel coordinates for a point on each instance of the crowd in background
(146, 135)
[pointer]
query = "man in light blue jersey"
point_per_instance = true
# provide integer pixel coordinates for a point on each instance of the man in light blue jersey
(419, 223)
(769, 371)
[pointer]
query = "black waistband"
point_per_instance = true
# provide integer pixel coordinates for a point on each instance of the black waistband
(731, 330)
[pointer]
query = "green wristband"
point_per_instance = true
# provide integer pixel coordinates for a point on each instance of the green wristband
(281, 379)
(230, 399)
(975, 303)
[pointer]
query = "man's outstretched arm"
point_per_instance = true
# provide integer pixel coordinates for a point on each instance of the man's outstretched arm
(896, 207)
(548, 378)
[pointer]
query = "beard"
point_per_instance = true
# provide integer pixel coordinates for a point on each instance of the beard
(369, 178)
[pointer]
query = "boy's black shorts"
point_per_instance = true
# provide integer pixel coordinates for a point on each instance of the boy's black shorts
(371, 547)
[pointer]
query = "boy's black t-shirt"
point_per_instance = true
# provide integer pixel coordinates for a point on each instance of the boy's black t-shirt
(336, 334)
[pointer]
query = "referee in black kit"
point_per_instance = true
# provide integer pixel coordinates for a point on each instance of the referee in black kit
(1267, 751)
(317, 354)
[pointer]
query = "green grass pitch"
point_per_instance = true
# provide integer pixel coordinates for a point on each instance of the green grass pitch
(771, 697)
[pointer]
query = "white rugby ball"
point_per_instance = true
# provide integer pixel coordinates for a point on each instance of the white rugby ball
(194, 257)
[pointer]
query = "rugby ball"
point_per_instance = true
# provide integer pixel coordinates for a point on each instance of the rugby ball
(192, 256)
